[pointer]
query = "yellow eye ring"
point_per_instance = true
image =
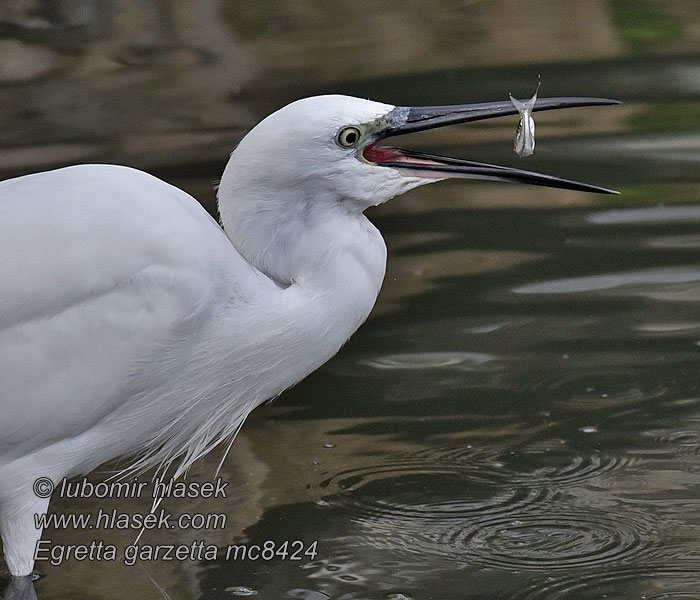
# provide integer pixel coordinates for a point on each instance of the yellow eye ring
(348, 137)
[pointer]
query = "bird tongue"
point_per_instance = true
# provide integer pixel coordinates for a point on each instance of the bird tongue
(382, 154)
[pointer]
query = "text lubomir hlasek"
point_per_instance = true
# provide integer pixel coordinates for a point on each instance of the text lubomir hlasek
(162, 488)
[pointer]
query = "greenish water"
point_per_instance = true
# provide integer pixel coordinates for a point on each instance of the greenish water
(520, 416)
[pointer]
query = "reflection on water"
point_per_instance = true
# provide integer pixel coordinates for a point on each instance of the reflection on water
(633, 281)
(429, 360)
(520, 417)
(656, 214)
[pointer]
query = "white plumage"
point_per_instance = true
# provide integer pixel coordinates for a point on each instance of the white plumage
(130, 323)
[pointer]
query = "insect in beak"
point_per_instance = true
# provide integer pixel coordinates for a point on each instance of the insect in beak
(525, 134)
(418, 164)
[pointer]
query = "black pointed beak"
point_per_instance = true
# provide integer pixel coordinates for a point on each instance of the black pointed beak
(419, 118)
(411, 119)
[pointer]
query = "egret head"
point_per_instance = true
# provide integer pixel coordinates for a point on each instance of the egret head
(312, 149)
(296, 177)
(329, 149)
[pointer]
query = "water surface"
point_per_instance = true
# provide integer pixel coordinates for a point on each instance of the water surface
(520, 416)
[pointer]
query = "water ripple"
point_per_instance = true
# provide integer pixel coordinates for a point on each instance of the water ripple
(466, 466)
(609, 281)
(564, 538)
(688, 241)
(429, 360)
(649, 582)
(476, 509)
(653, 214)
(599, 388)
(685, 441)
(534, 531)
(570, 471)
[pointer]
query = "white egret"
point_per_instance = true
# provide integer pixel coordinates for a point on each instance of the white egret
(132, 324)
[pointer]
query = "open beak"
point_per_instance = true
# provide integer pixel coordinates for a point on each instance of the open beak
(411, 119)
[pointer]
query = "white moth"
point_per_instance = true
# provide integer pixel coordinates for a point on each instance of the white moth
(525, 134)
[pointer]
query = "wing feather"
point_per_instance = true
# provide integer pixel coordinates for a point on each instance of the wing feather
(103, 269)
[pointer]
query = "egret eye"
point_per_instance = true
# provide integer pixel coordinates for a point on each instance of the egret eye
(348, 137)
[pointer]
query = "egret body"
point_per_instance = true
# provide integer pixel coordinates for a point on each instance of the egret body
(133, 324)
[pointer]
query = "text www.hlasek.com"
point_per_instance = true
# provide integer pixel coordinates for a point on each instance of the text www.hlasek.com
(118, 520)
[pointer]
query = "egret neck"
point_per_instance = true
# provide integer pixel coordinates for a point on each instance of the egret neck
(326, 258)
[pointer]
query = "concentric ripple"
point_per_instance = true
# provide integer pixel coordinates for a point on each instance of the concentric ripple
(528, 512)
(564, 538)
(475, 468)
(597, 388)
(449, 499)
(531, 530)
(571, 470)
(684, 441)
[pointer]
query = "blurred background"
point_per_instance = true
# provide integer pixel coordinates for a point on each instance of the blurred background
(520, 416)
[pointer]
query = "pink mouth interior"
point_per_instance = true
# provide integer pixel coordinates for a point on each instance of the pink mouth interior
(380, 154)
(387, 154)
